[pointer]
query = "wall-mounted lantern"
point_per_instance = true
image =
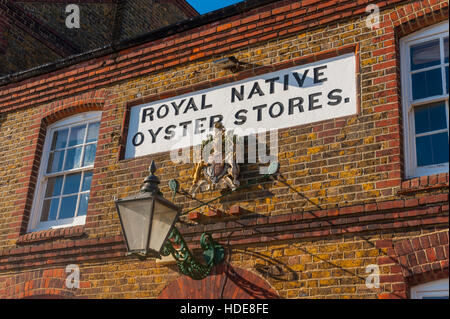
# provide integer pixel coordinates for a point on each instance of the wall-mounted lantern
(148, 224)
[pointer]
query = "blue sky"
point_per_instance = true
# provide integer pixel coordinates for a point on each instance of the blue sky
(204, 6)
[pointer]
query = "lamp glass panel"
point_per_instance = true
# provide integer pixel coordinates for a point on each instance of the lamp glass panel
(135, 215)
(163, 219)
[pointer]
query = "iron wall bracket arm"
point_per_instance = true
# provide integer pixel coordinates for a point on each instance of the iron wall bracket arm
(213, 254)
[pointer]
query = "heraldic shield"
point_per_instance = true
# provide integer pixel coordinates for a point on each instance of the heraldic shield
(216, 171)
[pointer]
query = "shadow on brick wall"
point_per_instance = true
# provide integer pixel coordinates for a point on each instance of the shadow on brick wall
(2, 119)
(270, 267)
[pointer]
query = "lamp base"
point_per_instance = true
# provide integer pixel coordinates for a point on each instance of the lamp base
(213, 253)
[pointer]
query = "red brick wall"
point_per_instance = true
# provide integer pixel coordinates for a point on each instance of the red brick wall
(360, 209)
(37, 284)
(225, 282)
(413, 261)
(39, 27)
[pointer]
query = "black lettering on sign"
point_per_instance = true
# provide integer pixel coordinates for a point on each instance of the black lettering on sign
(214, 119)
(313, 101)
(235, 94)
(191, 105)
(286, 82)
(138, 139)
(255, 90)
(178, 106)
(198, 127)
(185, 125)
(317, 74)
(155, 134)
(334, 98)
(240, 119)
(204, 105)
(272, 84)
(164, 109)
(300, 80)
(259, 109)
(295, 102)
(274, 106)
(170, 133)
(147, 112)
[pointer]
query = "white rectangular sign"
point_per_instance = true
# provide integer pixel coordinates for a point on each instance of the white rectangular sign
(290, 97)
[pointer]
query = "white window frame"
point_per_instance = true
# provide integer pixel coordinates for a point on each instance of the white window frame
(36, 210)
(439, 31)
(438, 288)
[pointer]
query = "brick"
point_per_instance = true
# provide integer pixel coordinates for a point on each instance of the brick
(440, 254)
(425, 242)
(431, 255)
(443, 238)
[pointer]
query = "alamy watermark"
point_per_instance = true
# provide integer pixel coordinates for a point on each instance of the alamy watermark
(73, 277)
(230, 145)
(373, 20)
(373, 280)
(73, 19)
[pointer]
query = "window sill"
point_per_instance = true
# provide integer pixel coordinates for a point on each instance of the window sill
(424, 183)
(51, 234)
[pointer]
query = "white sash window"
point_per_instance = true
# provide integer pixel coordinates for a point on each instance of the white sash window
(65, 174)
(425, 85)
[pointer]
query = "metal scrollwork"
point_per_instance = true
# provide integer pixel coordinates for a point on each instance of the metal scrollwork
(213, 253)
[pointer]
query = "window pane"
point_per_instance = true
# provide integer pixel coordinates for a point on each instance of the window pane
(432, 149)
(426, 54)
(446, 49)
(54, 185)
(446, 77)
(73, 159)
(89, 154)
(72, 184)
(82, 209)
(440, 148)
(93, 132)
(430, 118)
(86, 181)
(50, 209)
(59, 139)
(428, 83)
(55, 162)
(68, 206)
(77, 135)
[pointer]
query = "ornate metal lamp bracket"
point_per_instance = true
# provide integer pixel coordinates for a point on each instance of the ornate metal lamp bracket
(213, 253)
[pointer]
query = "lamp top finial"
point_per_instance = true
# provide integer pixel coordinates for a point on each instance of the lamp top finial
(151, 182)
(152, 167)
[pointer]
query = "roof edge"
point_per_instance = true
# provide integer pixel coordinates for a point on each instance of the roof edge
(169, 30)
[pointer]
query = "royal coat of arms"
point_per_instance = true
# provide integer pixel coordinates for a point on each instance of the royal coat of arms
(215, 170)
